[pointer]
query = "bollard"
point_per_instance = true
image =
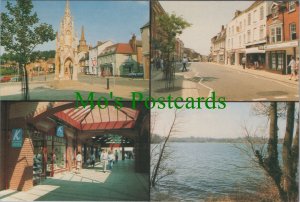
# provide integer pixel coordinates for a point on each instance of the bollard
(107, 83)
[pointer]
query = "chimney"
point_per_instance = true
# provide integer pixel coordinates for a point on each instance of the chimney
(237, 12)
(132, 43)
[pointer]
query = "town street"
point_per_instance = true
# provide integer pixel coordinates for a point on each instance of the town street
(64, 90)
(234, 83)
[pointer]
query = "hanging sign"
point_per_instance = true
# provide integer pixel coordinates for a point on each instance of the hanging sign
(17, 138)
(60, 131)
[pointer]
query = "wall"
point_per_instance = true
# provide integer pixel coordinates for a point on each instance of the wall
(19, 166)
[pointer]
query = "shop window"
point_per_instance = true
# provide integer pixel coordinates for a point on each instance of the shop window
(293, 33)
(280, 61)
(57, 155)
(273, 61)
(292, 6)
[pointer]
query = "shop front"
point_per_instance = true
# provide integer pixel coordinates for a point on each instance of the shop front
(256, 57)
(280, 55)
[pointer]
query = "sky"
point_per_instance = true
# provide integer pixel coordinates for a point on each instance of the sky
(226, 123)
(102, 20)
(206, 17)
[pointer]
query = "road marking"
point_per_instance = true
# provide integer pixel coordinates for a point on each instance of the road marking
(200, 82)
(280, 97)
(260, 99)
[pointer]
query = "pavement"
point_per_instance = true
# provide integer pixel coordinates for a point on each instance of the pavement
(64, 90)
(182, 86)
(232, 82)
(92, 184)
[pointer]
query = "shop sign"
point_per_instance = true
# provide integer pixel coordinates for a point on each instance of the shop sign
(17, 137)
(283, 45)
(60, 131)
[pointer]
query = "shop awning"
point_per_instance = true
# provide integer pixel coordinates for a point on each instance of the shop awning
(254, 50)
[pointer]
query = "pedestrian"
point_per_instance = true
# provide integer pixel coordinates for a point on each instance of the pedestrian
(99, 154)
(292, 65)
(78, 162)
(162, 64)
(93, 159)
(157, 63)
(184, 63)
(116, 156)
(110, 160)
(244, 62)
(104, 157)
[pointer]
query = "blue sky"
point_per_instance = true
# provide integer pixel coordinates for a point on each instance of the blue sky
(226, 123)
(102, 20)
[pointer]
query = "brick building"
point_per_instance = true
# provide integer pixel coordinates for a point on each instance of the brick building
(282, 35)
(156, 10)
(40, 139)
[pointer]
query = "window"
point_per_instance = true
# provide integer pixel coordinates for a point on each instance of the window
(254, 16)
(244, 38)
(261, 32)
(254, 34)
(249, 19)
(273, 39)
(240, 41)
(248, 36)
(241, 26)
(232, 29)
(228, 43)
(274, 11)
(261, 13)
(293, 33)
(292, 6)
(278, 34)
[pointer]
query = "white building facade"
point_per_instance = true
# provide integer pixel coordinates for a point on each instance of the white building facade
(246, 35)
(94, 61)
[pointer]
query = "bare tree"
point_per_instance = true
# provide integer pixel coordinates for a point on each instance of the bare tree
(159, 158)
(284, 177)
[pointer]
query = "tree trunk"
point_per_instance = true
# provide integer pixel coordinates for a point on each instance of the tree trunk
(26, 93)
(271, 163)
(288, 180)
(295, 156)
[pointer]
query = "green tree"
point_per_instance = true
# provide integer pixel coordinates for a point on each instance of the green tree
(21, 32)
(169, 26)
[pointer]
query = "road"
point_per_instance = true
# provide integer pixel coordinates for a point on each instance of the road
(238, 85)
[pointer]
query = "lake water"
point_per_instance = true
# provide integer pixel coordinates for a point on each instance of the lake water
(208, 169)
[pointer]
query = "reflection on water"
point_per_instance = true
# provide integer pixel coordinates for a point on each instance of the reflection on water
(209, 169)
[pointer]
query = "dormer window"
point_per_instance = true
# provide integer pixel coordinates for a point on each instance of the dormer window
(292, 6)
(274, 11)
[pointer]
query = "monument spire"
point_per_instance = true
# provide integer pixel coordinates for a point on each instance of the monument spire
(67, 10)
(82, 34)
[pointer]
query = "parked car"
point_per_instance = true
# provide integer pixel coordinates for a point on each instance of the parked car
(15, 79)
(5, 79)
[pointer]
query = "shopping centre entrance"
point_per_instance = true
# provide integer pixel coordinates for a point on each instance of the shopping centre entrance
(44, 138)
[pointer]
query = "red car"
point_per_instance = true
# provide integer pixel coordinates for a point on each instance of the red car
(5, 79)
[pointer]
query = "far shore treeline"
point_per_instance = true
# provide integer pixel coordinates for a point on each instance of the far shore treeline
(155, 139)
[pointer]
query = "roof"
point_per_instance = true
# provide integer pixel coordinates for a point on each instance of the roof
(145, 25)
(120, 48)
